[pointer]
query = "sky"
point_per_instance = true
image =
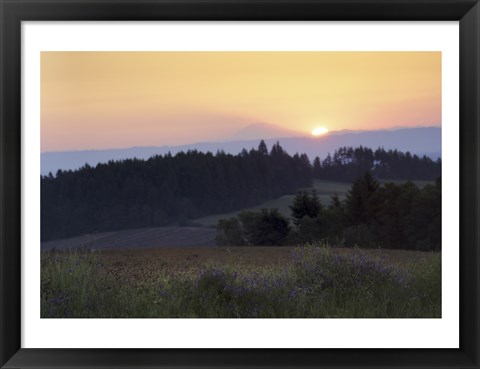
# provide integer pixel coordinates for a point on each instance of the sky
(103, 100)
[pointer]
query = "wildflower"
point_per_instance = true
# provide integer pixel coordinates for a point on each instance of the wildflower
(295, 256)
(292, 294)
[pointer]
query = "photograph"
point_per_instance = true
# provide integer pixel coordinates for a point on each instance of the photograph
(241, 184)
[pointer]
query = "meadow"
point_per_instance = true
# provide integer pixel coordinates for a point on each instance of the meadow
(312, 281)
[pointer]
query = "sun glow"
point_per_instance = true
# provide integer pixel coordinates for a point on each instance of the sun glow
(319, 131)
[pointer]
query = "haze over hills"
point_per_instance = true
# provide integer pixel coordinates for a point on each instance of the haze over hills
(419, 141)
(265, 131)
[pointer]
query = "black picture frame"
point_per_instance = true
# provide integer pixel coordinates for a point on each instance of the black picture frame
(13, 12)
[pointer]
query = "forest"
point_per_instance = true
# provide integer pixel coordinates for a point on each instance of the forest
(388, 216)
(174, 189)
(347, 164)
(165, 190)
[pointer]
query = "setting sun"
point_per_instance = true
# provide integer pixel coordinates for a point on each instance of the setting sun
(319, 131)
(110, 100)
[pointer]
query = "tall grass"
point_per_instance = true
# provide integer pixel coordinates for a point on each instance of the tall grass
(319, 282)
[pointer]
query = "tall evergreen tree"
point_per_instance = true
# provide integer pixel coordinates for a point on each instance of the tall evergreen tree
(262, 148)
(358, 205)
(305, 205)
(317, 168)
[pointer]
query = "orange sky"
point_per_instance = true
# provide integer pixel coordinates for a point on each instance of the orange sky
(95, 100)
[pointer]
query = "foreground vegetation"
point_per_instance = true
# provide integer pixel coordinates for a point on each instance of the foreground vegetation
(315, 281)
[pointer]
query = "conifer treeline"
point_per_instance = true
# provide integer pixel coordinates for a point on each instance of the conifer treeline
(173, 189)
(166, 190)
(347, 164)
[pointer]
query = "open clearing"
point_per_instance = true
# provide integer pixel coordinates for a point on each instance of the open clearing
(241, 282)
(149, 263)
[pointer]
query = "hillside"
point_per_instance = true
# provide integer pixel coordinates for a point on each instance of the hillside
(158, 237)
(324, 190)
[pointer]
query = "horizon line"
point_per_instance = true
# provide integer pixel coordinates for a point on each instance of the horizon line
(308, 136)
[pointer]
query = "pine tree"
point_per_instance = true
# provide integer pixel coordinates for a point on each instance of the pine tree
(317, 168)
(357, 205)
(305, 205)
(262, 148)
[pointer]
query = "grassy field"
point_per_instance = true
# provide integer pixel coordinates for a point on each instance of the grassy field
(235, 282)
(324, 189)
(193, 259)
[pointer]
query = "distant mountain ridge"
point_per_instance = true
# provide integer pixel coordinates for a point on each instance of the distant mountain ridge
(420, 141)
(265, 131)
